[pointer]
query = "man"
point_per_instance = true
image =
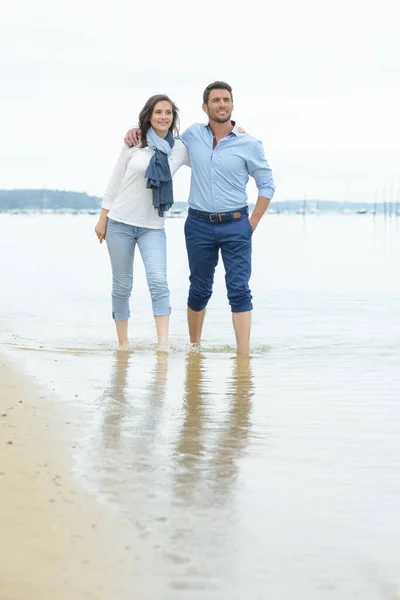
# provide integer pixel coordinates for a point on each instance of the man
(222, 159)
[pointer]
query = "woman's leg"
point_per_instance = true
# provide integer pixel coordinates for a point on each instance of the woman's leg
(122, 333)
(121, 247)
(153, 248)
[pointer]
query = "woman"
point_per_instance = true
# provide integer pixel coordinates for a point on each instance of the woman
(139, 192)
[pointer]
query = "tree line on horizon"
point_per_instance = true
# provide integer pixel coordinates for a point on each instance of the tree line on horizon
(47, 199)
(61, 199)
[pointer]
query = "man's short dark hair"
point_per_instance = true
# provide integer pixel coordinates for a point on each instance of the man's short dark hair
(217, 85)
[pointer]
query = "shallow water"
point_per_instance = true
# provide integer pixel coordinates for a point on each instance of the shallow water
(277, 476)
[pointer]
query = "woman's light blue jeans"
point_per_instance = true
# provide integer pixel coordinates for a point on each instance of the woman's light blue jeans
(121, 243)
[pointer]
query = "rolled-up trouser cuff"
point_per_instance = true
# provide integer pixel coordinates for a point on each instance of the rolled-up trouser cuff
(197, 306)
(121, 316)
(162, 311)
(242, 307)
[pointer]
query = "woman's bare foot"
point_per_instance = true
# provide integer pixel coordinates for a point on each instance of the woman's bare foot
(162, 347)
(123, 347)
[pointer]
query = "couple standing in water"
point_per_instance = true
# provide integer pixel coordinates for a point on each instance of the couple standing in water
(222, 158)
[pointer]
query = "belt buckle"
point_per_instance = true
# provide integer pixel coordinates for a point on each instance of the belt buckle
(218, 217)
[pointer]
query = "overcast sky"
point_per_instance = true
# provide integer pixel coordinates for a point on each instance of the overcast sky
(318, 82)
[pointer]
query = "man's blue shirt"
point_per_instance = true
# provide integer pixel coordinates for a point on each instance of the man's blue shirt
(220, 175)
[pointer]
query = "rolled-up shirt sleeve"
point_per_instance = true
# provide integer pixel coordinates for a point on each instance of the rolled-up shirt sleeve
(116, 178)
(260, 170)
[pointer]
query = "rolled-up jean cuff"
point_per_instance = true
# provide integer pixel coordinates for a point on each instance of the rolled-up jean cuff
(162, 312)
(121, 316)
(242, 308)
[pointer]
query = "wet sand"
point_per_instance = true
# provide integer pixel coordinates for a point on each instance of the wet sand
(56, 542)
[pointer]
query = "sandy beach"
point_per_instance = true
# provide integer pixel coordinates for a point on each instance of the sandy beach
(56, 541)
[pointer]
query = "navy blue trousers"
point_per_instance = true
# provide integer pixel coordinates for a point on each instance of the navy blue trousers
(204, 240)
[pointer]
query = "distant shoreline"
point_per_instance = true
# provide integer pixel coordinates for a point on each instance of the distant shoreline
(59, 201)
(182, 212)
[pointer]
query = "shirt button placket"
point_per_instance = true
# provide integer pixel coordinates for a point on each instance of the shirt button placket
(212, 179)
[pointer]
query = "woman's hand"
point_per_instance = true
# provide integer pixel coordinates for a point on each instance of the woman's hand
(101, 228)
(132, 137)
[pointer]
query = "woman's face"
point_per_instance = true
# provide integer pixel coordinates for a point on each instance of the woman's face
(162, 118)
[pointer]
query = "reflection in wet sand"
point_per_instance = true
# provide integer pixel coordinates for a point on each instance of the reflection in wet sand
(179, 488)
(234, 435)
(200, 464)
(155, 398)
(115, 401)
(119, 405)
(208, 453)
(128, 446)
(190, 446)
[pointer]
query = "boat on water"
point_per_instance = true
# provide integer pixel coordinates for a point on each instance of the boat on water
(175, 213)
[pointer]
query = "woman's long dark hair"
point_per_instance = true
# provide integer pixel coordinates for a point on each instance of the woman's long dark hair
(147, 111)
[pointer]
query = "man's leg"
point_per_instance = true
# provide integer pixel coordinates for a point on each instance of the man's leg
(202, 251)
(235, 240)
(242, 325)
(195, 324)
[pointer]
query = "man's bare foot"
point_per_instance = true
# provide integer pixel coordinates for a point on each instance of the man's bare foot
(194, 347)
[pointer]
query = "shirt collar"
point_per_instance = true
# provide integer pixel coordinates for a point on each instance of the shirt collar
(234, 130)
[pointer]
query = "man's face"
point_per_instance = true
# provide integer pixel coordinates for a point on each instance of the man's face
(219, 106)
